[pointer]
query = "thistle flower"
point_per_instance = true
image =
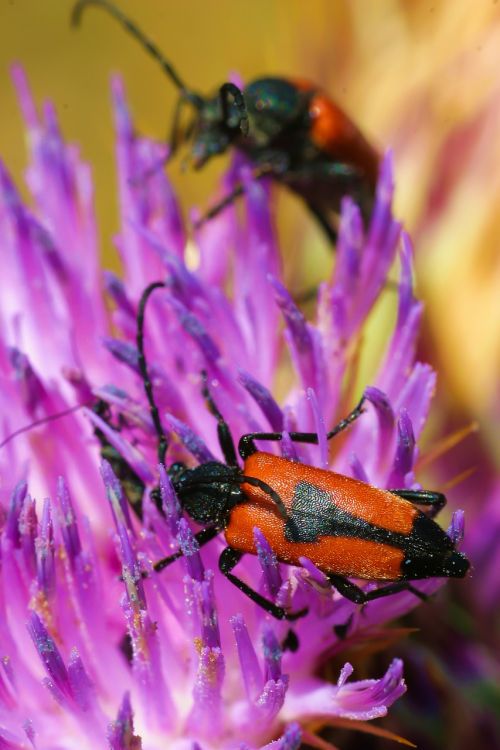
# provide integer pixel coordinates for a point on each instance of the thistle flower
(112, 651)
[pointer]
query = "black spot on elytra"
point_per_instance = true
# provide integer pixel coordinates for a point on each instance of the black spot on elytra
(429, 552)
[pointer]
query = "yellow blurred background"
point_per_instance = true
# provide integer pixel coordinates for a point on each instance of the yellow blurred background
(417, 75)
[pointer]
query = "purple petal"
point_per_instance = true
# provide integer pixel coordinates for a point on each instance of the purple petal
(406, 298)
(403, 460)
(363, 262)
(69, 526)
(357, 469)
(30, 732)
(16, 504)
(81, 685)
(315, 573)
(416, 394)
(191, 550)
(184, 284)
(361, 701)
(249, 665)
(121, 731)
(299, 337)
(384, 411)
(264, 399)
(291, 739)
(196, 330)
(124, 352)
(456, 528)
(119, 504)
(169, 500)
(128, 452)
(191, 440)
(9, 741)
(45, 552)
(270, 701)
(49, 655)
(118, 293)
(272, 655)
(204, 594)
(319, 429)
(207, 691)
(370, 698)
(30, 384)
(268, 562)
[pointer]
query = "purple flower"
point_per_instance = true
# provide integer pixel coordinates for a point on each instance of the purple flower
(113, 652)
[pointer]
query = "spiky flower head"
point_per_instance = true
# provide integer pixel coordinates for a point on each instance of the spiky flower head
(96, 647)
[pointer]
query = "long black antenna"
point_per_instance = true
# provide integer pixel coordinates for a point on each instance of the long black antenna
(148, 45)
(143, 369)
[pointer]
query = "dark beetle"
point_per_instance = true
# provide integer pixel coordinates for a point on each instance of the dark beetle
(132, 485)
(289, 129)
(347, 528)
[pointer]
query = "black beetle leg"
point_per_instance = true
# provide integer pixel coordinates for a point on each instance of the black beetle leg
(358, 596)
(223, 432)
(202, 537)
(228, 200)
(228, 559)
(328, 229)
(290, 642)
(239, 189)
(436, 500)
(246, 445)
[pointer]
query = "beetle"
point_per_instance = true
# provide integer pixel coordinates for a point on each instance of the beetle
(132, 485)
(347, 528)
(289, 129)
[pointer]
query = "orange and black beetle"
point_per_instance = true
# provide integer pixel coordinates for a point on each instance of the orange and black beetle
(347, 528)
(290, 130)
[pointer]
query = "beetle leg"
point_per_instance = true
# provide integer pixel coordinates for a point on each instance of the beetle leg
(356, 594)
(173, 140)
(351, 417)
(246, 445)
(221, 205)
(436, 500)
(342, 629)
(325, 225)
(228, 559)
(223, 432)
(266, 169)
(348, 179)
(202, 537)
(290, 642)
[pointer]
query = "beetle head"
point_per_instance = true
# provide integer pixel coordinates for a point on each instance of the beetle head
(220, 120)
(208, 492)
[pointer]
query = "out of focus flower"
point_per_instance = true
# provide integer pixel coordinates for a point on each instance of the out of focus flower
(423, 77)
(180, 659)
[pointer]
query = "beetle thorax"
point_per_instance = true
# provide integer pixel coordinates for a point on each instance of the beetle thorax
(208, 492)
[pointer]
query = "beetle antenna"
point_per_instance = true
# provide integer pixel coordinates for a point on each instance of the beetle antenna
(143, 369)
(143, 40)
(38, 422)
